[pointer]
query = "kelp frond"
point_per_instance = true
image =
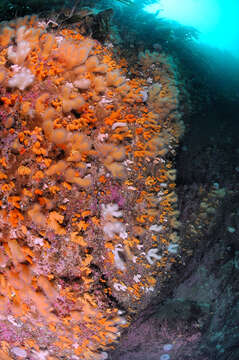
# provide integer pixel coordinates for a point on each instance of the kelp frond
(126, 2)
(137, 2)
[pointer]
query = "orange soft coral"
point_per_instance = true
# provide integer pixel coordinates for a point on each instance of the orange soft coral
(86, 191)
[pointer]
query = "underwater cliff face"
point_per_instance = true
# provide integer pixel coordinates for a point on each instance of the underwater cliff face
(116, 232)
(88, 207)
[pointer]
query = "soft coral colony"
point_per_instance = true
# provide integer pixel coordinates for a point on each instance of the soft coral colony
(88, 216)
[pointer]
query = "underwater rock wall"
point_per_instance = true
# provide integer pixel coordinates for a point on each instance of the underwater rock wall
(89, 216)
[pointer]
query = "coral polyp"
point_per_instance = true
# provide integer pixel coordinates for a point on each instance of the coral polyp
(88, 219)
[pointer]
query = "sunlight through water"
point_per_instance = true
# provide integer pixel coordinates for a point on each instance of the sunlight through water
(217, 20)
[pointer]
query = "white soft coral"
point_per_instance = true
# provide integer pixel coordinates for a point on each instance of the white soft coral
(18, 55)
(40, 355)
(111, 210)
(112, 228)
(22, 79)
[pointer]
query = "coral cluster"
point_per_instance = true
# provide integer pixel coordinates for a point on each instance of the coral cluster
(88, 217)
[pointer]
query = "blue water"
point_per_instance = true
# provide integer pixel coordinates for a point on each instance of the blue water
(217, 20)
